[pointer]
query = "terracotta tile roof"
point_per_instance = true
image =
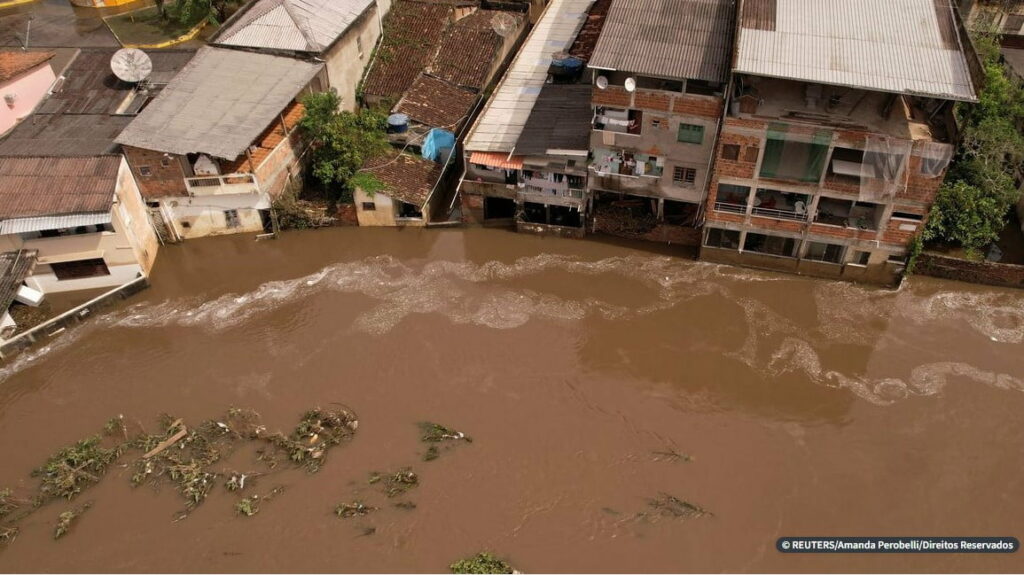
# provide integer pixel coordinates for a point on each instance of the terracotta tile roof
(406, 178)
(467, 52)
(15, 62)
(269, 139)
(412, 33)
(435, 103)
(497, 160)
(48, 186)
(586, 40)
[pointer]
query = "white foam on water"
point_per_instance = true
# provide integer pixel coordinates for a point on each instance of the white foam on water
(472, 294)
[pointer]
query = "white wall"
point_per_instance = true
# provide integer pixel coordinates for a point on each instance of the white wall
(47, 282)
(204, 215)
(349, 56)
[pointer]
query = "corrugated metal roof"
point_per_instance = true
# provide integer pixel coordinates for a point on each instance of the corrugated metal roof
(560, 120)
(38, 224)
(48, 186)
(219, 104)
(668, 38)
(901, 46)
(502, 120)
(300, 25)
(14, 268)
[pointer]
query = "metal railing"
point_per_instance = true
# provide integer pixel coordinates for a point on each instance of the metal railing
(222, 185)
(730, 207)
(780, 214)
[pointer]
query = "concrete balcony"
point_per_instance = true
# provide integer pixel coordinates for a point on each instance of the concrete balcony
(229, 184)
(567, 197)
(640, 185)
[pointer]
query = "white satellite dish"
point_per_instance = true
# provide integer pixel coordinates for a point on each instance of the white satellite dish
(630, 84)
(131, 65)
(504, 24)
(602, 82)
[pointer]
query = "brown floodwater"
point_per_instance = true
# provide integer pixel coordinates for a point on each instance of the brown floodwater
(808, 407)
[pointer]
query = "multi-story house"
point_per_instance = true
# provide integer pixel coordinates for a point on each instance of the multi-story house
(493, 189)
(838, 134)
(659, 94)
(220, 142)
(81, 221)
(339, 33)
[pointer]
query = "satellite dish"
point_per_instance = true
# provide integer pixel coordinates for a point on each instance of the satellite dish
(504, 24)
(630, 84)
(131, 65)
(602, 82)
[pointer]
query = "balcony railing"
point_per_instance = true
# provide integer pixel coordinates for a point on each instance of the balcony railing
(222, 185)
(730, 207)
(568, 197)
(780, 214)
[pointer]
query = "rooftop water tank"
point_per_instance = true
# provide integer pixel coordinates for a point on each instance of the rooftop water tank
(398, 123)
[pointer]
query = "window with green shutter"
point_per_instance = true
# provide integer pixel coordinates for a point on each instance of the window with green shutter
(691, 134)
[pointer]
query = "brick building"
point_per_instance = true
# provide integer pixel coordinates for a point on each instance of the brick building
(658, 98)
(838, 134)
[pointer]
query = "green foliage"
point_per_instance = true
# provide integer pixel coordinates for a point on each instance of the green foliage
(916, 247)
(248, 506)
(294, 214)
(74, 467)
(66, 519)
(192, 12)
(971, 207)
(481, 563)
(367, 182)
(341, 142)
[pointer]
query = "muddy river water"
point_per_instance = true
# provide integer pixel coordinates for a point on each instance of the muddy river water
(807, 407)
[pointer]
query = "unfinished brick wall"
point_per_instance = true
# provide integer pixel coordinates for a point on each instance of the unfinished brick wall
(164, 180)
(273, 172)
(655, 100)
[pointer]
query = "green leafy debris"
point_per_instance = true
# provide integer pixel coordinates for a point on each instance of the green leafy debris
(481, 563)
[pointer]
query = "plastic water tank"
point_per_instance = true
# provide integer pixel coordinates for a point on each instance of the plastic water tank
(398, 123)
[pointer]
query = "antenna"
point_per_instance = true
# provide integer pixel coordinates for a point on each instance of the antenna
(602, 82)
(504, 24)
(630, 84)
(131, 65)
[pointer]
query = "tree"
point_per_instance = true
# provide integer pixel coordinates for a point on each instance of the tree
(213, 11)
(341, 142)
(971, 207)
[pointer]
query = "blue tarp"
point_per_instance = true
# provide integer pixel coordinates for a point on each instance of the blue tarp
(436, 142)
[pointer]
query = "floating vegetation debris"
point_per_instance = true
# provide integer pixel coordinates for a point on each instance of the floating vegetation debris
(354, 509)
(249, 506)
(67, 519)
(675, 507)
(406, 505)
(8, 534)
(8, 503)
(671, 456)
(397, 483)
(481, 563)
(238, 481)
(317, 431)
(181, 455)
(434, 433)
(73, 468)
(367, 531)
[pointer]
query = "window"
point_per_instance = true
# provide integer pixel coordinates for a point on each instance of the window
(730, 152)
(231, 218)
(684, 176)
(703, 88)
(861, 258)
(78, 230)
(690, 134)
(725, 239)
(619, 120)
(369, 207)
(771, 245)
(1013, 24)
(145, 171)
(819, 252)
(897, 259)
(656, 123)
(750, 155)
(165, 162)
(791, 159)
(80, 269)
(908, 216)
